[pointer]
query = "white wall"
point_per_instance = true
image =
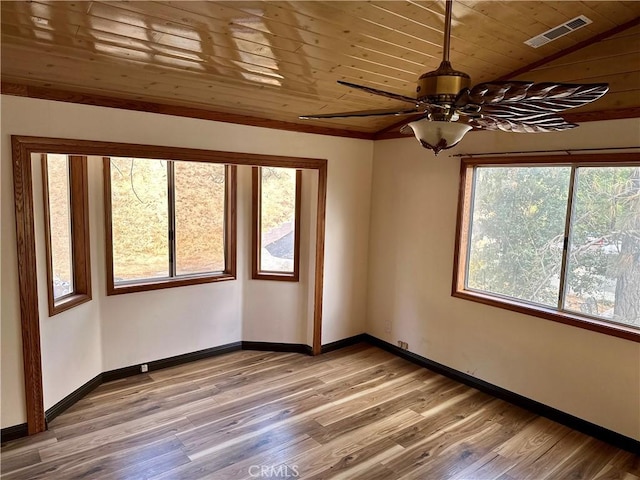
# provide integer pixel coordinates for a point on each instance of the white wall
(71, 348)
(145, 326)
(12, 405)
(291, 318)
(590, 375)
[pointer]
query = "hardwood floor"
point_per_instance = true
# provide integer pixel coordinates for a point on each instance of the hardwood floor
(356, 413)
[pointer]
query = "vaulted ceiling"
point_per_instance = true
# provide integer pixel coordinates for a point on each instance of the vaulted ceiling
(272, 61)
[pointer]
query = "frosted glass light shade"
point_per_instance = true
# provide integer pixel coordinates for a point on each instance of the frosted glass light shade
(438, 135)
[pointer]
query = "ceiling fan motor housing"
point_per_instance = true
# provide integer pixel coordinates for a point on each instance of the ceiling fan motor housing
(441, 86)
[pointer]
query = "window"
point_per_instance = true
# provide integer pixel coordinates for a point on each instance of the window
(66, 231)
(561, 241)
(169, 223)
(276, 223)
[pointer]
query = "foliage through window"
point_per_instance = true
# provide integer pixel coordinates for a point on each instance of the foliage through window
(561, 238)
(66, 231)
(276, 223)
(169, 222)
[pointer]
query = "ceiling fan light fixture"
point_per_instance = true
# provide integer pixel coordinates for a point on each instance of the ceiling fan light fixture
(438, 135)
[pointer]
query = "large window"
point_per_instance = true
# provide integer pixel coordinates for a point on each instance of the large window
(66, 231)
(276, 223)
(559, 240)
(169, 223)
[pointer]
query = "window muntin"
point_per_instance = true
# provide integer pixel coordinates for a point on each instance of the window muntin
(276, 223)
(524, 248)
(65, 199)
(170, 223)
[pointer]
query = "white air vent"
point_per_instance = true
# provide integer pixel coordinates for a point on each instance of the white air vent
(559, 31)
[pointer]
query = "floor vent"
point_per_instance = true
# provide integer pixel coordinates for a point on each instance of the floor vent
(559, 31)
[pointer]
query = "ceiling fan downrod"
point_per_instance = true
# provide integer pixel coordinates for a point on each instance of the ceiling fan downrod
(447, 31)
(442, 86)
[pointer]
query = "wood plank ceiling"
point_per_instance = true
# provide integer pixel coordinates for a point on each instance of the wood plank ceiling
(276, 60)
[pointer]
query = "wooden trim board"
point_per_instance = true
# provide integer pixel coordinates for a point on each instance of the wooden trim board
(13, 433)
(27, 285)
(45, 93)
(256, 230)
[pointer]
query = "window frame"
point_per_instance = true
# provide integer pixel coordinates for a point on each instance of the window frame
(80, 242)
(462, 242)
(230, 237)
(256, 233)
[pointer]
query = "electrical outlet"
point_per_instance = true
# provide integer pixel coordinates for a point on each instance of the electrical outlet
(144, 368)
(387, 326)
(403, 345)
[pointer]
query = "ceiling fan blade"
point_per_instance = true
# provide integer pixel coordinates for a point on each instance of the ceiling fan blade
(484, 93)
(542, 124)
(375, 91)
(362, 113)
(406, 129)
(550, 97)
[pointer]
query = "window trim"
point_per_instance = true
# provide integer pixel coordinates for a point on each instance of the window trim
(230, 236)
(465, 197)
(80, 249)
(256, 211)
(22, 147)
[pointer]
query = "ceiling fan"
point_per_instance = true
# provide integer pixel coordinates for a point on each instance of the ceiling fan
(450, 108)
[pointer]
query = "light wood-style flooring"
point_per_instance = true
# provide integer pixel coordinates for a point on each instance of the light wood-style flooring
(356, 413)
